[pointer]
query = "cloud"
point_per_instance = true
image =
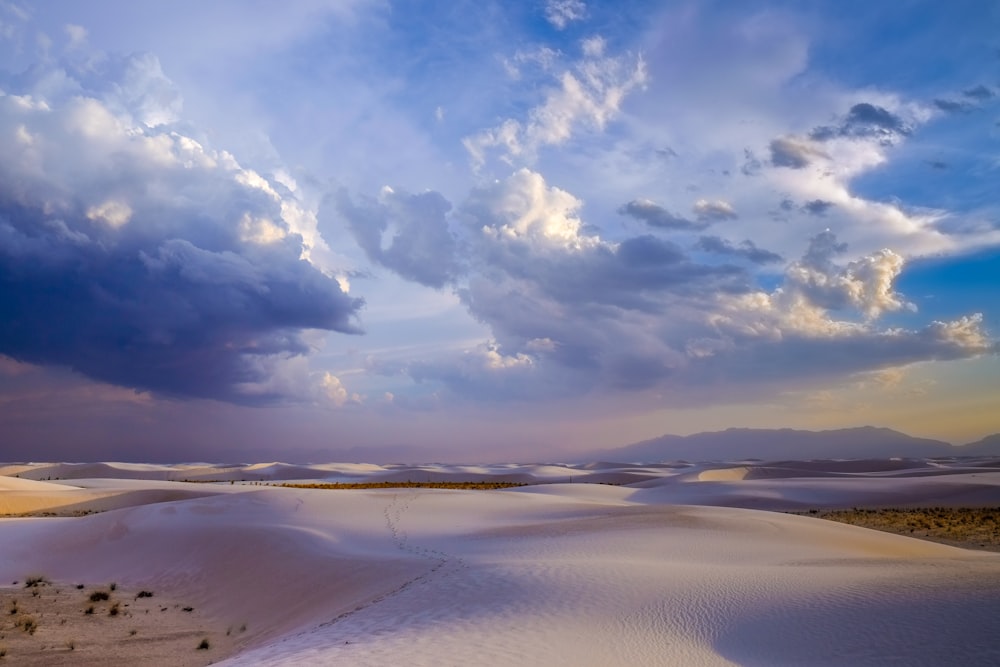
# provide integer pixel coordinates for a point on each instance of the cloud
(655, 215)
(817, 206)
(793, 153)
(571, 313)
(980, 93)
(135, 255)
(713, 211)
(587, 96)
(952, 106)
(865, 284)
(865, 120)
(405, 233)
(746, 250)
(560, 13)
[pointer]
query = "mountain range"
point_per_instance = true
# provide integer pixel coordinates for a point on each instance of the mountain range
(777, 444)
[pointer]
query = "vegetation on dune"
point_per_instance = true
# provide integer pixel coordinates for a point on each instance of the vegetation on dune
(967, 526)
(488, 486)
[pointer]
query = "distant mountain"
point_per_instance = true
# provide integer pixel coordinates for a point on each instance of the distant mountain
(988, 446)
(778, 444)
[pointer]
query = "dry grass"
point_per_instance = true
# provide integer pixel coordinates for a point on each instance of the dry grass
(45, 623)
(970, 527)
(486, 486)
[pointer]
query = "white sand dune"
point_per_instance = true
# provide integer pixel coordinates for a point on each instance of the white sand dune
(561, 573)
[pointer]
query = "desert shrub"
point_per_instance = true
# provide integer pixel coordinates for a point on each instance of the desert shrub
(97, 596)
(143, 594)
(89, 610)
(37, 580)
(203, 645)
(28, 624)
(114, 610)
(113, 586)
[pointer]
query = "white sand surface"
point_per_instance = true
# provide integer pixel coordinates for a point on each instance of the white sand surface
(553, 574)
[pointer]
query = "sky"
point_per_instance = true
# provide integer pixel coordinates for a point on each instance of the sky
(339, 229)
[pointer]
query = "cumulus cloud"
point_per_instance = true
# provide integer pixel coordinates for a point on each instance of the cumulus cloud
(655, 215)
(135, 255)
(746, 250)
(865, 284)
(571, 312)
(585, 97)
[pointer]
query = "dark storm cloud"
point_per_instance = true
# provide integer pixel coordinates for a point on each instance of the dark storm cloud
(864, 120)
(133, 255)
(655, 215)
(817, 206)
(746, 250)
(952, 106)
(169, 317)
(980, 92)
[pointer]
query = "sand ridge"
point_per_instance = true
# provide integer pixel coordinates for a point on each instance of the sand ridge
(671, 569)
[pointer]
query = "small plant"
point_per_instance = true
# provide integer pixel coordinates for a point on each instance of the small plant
(89, 610)
(188, 608)
(37, 580)
(13, 607)
(79, 587)
(114, 610)
(203, 645)
(97, 596)
(113, 586)
(143, 594)
(28, 624)
(132, 632)
(3, 651)
(71, 645)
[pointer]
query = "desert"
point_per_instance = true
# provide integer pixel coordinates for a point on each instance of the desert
(571, 564)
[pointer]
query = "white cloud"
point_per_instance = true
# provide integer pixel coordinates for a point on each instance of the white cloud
(112, 212)
(77, 35)
(586, 97)
(337, 393)
(560, 13)
(711, 211)
(525, 208)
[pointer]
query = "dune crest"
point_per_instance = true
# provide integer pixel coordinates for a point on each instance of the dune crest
(671, 564)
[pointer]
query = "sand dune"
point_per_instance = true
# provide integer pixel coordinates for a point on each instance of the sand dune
(558, 573)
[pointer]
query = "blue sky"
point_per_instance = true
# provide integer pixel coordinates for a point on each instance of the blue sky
(492, 230)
